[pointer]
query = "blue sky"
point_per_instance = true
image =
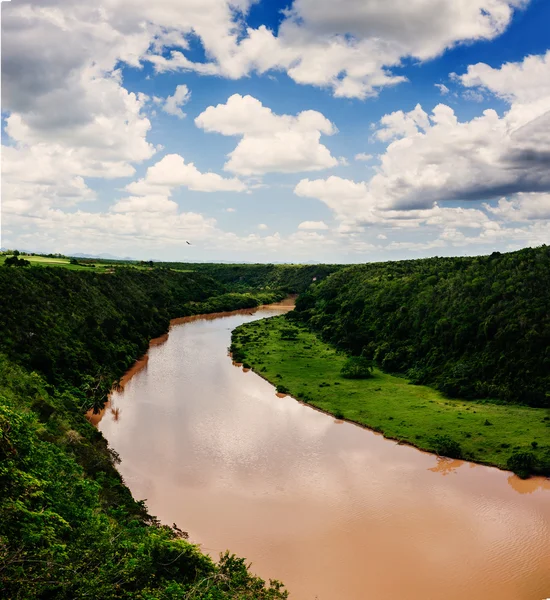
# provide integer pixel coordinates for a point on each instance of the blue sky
(244, 127)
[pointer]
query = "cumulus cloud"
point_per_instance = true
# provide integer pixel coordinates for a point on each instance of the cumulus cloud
(263, 226)
(172, 171)
(433, 157)
(349, 46)
(312, 225)
(522, 207)
(269, 142)
(526, 81)
(173, 104)
(443, 89)
(70, 118)
(344, 196)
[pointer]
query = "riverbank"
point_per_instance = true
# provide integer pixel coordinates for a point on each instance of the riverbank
(213, 449)
(69, 526)
(309, 370)
(276, 300)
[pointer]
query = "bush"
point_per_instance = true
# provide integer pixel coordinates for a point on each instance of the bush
(445, 445)
(522, 463)
(357, 367)
(289, 333)
(281, 389)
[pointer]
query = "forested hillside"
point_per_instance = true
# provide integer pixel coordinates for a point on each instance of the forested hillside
(69, 527)
(82, 330)
(293, 279)
(472, 327)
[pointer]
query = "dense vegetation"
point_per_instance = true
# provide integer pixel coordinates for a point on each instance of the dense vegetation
(69, 527)
(83, 330)
(472, 327)
(509, 436)
(293, 279)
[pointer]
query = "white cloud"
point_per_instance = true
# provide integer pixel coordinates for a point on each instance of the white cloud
(263, 226)
(269, 142)
(344, 196)
(313, 225)
(347, 46)
(230, 210)
(526, 81)
(362, 156)
(443, 89)
(172, 171)
(381, 236)
(522, 207)
(173, 103)
(70, 118)
(400, 124)
(433, 158)
(145, 204)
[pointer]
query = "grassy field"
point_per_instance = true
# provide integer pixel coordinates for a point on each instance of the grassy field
(46, 261)
(100, 266)
(310, 370)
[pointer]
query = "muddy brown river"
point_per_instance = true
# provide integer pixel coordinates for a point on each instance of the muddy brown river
(335, 511)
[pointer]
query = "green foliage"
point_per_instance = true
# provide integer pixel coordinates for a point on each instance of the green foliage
(14, 261)
(445, 445)
(69, 527)
(309, 369)
(521, 462)
(289, 333)
(357, 367)
(83, 330)
(292, 279)
(476, 327)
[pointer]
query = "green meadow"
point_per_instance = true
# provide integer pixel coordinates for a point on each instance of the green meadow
(309, 370)
(46, 261)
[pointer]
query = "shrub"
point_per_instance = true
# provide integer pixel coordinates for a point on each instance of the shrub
(357, 367)
(281, 389)
(521, 462)
(445, 445)
(338, 414)
(289, 333)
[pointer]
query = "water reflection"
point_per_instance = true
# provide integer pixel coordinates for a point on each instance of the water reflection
(445, 466)
(334, 510)
(528, 486)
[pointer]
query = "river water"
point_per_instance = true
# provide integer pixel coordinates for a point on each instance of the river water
(335, 511)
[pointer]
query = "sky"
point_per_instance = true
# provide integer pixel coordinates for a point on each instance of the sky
(338, 131)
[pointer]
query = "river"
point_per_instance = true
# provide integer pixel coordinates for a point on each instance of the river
(333, 510)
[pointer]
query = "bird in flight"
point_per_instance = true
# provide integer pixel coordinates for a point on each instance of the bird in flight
(188, 243)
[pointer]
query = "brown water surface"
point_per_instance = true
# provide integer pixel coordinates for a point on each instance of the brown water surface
(335, 511)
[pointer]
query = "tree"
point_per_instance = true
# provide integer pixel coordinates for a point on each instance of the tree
(14, 261)
(357, 367)
(445, 445)
(521, 462)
